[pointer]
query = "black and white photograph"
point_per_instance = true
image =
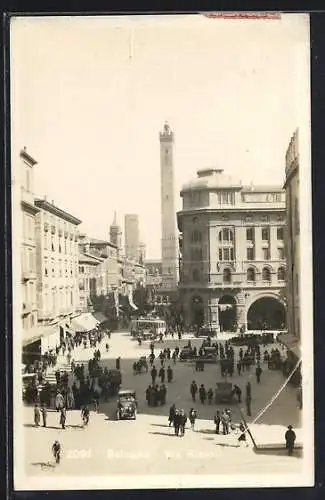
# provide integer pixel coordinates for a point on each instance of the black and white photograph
(161, 251)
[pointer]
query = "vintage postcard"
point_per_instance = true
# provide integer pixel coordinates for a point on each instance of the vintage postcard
(162, 251)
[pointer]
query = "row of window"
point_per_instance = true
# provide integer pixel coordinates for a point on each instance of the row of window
(227, 235)
(266, 254)
(250, 275)
(62, 246)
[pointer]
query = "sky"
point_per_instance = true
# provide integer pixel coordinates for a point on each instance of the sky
(89, 96)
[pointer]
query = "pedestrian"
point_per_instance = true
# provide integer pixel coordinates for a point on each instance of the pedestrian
(44, 414)
(174, 356)
(210, 396)
(148, 391)
(192, 417)
(193, 390)
(135, 368)
(162, 375)
(172, 413)
(177, 422)
(225, 422)
(258, 373)
(37, 415)
(203, 394)
(153, 374)
(242, 436)
(85, 415)
(56, 450)
(63, 417)
(118, 363)
(169, 374)
(163, 393)
(237, 392)
(248, 390)
(107, 347)
(248, 402)
(217, 420)
(290, 437)
(183, 420)
(239, 367)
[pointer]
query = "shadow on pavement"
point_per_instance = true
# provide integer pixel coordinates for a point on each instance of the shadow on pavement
(206, 431)
(160, 425)
(47, 465)
(162, 434)
(277, 451)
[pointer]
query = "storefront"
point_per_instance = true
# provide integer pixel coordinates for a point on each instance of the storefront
(86, 322)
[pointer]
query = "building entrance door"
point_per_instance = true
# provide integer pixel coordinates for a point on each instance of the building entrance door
(227, 313)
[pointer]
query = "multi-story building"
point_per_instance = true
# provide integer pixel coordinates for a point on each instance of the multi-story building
(28, 246)
(57, 270)
(233, 268)
(142, 252)
(131, 228)
(154, 279)
(293, 236)
(169, 240)
(103, 276)
(88, 278)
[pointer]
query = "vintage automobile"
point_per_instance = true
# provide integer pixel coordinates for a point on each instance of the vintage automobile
(209, 355)
(186, 354)
(126, 405)
(224, 392)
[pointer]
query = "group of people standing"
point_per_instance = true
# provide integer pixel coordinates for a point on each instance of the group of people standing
(156, 395)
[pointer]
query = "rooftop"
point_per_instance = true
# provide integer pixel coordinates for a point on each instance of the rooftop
(85, 257)
(53, 209)
(211, 178)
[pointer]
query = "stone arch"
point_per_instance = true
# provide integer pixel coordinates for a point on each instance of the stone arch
(266, 311)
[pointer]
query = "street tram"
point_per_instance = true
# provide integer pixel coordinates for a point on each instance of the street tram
(148, 328)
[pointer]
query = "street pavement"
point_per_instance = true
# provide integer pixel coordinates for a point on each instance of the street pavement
(148, 445)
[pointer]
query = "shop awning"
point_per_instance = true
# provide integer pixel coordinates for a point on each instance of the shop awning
(291, 342)
(84, 323)
(35, 334)
(100, 317)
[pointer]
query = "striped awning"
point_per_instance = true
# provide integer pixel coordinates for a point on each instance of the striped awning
(291, 342)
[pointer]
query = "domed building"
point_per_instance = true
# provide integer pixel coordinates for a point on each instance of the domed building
(233, 270)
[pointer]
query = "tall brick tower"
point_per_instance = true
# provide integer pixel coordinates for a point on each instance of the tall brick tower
(169, 241)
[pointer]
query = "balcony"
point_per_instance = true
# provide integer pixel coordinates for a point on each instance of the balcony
(66, 234)
(60, 232)
(53, 229)
(46, 226)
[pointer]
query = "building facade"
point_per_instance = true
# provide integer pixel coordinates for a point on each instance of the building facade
(132, 236)
(28, 245)
(154, 279)
(169, 239)
(57, 270)
(233, 268)
(293, 236)
(104, 276)
(88, 276)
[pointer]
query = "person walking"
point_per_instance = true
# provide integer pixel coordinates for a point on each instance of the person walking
(239, 367)
(37, 415)
(203, 394)
(56, 451)
(290, 437)
(242, 436)
(162, 375)
(192, 417)
(148, 391)
(170, 374)
(258, 373)
(85, 415)
(217, 421)
(177, 422)
(182, 423)
(193, 390)
(44, 414)
(153, 374)
(225, 422)
(63, 417)
(163, 393)
(210, 396)
(172, 413)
